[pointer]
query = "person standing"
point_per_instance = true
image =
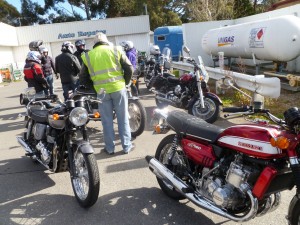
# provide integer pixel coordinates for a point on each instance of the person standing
(80, 46)
(33, 72)
(68, 66)
(48, 69)
(131, 54)
(112, 74)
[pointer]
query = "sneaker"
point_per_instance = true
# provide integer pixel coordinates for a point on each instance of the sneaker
(131, 149)
(108, 153)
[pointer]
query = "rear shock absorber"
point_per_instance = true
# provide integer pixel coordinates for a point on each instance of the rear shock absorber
(173, 149)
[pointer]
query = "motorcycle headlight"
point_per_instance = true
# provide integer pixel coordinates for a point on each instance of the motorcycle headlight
(79, 116)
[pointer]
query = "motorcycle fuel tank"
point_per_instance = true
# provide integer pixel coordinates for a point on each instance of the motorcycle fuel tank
(253, 140)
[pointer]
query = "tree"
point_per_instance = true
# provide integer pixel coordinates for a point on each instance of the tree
(32, 13)
(243, 8)
(63, 14)
(208, 10)
(8, 13)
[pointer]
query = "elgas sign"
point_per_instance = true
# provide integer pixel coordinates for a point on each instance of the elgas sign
(80, 34)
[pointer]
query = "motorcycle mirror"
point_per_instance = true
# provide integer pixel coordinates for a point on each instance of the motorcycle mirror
(186, 49)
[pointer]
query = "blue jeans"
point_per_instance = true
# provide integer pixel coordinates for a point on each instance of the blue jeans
(69, 87)
(117, 101)
(49, 79)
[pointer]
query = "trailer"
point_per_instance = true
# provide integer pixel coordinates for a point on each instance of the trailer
(171, 37)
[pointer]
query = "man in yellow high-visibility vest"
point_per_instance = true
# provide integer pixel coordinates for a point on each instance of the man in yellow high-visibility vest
(108, 67)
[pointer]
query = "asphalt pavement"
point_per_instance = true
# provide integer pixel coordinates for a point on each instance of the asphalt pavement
(129, 192)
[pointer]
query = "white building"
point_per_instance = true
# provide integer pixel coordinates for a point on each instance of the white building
(14, 40)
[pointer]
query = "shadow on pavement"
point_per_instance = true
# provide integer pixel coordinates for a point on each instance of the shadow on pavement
(135, 206)
(21, 177)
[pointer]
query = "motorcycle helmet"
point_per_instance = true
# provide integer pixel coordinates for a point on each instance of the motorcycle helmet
(101, 37)
(45, 50)
(34, 56)
(35, 45)
(127, 45)
(80, 45)
(154, 50)
(67, 46)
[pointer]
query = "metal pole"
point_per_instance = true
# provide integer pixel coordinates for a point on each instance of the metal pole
(146, 11)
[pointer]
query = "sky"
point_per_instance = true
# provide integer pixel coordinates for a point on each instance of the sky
(17, 4)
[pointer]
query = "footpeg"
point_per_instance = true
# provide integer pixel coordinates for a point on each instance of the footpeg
(188, 190)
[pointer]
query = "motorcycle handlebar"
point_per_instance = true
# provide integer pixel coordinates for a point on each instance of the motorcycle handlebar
(237, 109)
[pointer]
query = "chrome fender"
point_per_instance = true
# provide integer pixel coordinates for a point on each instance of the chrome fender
(84, 147)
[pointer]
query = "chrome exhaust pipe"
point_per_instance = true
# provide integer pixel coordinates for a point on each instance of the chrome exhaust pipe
(26, 147)
(28, 150)
(170, 102)
(172, 180)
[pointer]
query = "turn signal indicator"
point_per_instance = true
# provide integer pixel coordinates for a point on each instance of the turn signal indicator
(280, 142)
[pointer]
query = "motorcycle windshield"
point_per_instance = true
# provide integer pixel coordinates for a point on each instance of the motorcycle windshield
(167, 54)
(165, 58)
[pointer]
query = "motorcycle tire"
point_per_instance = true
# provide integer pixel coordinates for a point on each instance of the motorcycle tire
(137, 117)
(294, 211)
(86, 179)
(162, 156)
(206, 114)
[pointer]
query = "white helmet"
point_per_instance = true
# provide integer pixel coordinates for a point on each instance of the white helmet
(127, 45)
(154, 50)
(34, 56)
(67, 46)
(44, 50)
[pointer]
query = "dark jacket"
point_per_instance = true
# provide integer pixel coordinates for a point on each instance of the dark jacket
(131, 55)
(48, 65)
(68, 66)
(78, 55)
(33, 75)
(85, 78)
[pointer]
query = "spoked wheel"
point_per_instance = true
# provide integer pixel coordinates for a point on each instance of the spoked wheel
(209, 113)
(85, 181)
(137, 117)
(163, 154)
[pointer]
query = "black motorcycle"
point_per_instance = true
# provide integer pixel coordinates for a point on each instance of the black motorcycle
(189, 92)
(56, 136)
(136, 110)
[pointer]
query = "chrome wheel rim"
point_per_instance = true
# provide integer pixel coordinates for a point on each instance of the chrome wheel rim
(135, 117)
(81, 177)
(206, 112)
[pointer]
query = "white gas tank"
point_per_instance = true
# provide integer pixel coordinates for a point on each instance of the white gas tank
(275, 39)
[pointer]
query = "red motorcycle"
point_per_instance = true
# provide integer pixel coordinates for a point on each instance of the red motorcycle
(237, 172)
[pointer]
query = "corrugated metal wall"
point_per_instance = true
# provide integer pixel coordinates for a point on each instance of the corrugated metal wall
(6, 55)
(8, 35)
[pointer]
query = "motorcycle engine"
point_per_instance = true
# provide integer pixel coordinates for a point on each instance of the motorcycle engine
(177, 90)
(40, 132)
(226, 192)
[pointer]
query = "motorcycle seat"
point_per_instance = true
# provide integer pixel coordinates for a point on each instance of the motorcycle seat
(188, 124)
(38, 114)
(172, 79)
